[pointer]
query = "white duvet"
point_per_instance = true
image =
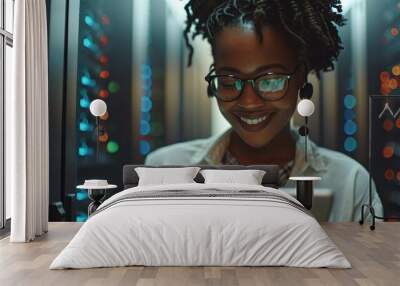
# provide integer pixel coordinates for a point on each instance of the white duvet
(183, 231)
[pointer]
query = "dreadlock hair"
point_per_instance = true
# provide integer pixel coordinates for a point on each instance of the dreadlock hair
(310, 24)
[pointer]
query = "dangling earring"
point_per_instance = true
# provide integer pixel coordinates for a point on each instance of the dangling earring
(305, 108)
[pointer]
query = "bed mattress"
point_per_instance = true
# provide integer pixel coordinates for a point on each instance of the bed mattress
(201, 225)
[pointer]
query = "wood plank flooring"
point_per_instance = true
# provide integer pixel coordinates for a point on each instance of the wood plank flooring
(375, 257)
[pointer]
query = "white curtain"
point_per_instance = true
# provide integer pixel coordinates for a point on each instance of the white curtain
(27, 124)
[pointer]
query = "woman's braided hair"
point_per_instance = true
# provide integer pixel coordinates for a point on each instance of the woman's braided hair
(310, 24)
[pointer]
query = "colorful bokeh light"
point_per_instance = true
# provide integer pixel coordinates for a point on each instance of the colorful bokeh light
(112, 147)
(145, 128)
(103, 93)
(87, 43)
(384, 76)
(103, 40)
(389, 174)
(147, 104)
(349, 101)
(103, 59)
(396, 70)
(388, 152)
(104, 116)
(144, 147)
(81, 217)
(113, 86)
(89, 21)
(104, 74)
(81, 195)
(350, 127)
(104, 137)
(388, 125)
(393, 83)
(350, 144)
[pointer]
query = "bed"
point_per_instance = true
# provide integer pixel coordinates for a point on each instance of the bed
(201, 224)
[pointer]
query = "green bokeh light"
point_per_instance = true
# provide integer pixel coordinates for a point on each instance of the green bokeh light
(112, 147)
(113, 86)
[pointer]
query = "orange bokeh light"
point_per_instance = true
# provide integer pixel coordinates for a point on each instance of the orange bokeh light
(104, 116)
(385, 90)
(396, 70)
(104, 137)
(393, 83)
(103, 93)
(388, 152)
(389, 174)
(394, 31)
(388, 125)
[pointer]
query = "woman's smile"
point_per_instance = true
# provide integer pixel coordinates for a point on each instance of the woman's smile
(253, 121)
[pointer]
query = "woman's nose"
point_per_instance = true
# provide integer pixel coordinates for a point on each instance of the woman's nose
(249, 96)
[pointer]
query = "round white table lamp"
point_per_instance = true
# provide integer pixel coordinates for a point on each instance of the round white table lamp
(97, 108)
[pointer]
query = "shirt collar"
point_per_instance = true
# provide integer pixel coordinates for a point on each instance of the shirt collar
(214, 151)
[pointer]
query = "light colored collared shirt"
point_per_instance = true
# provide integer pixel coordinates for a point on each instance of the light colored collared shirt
(346, 178)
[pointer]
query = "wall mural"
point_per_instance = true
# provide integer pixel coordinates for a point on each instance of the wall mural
(133, 57)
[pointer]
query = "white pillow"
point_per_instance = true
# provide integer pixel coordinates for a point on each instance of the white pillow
(248, 177)
(162, 176)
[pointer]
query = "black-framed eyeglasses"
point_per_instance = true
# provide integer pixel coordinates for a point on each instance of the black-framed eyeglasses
(269, 86)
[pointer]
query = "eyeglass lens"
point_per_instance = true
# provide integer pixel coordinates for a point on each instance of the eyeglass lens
(268, 87)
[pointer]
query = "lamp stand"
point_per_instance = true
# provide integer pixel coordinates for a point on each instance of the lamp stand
(305, 138)
(97, 139)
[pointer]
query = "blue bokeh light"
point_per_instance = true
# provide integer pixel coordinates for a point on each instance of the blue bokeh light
(350, 144)
(89, 21)
(81, 195)
(84, 102)
(87, 43)
(86, 80)
(83, 151)
(350, 101)
(144, 127)
(146, 71)
(144, 147)
(350, 127)
(81, 217)
(147, 104)
(84, 126)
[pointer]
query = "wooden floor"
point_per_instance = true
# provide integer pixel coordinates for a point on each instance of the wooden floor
(375, 256)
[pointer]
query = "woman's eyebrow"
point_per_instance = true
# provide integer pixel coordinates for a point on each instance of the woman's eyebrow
(258, 70)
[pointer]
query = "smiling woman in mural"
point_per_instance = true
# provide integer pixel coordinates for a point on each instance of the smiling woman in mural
(263, 51)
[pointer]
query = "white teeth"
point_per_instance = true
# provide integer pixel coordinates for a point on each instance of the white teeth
(254, 120)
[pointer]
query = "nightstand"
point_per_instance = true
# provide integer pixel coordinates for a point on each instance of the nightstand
(96, 195)
(305, 190)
